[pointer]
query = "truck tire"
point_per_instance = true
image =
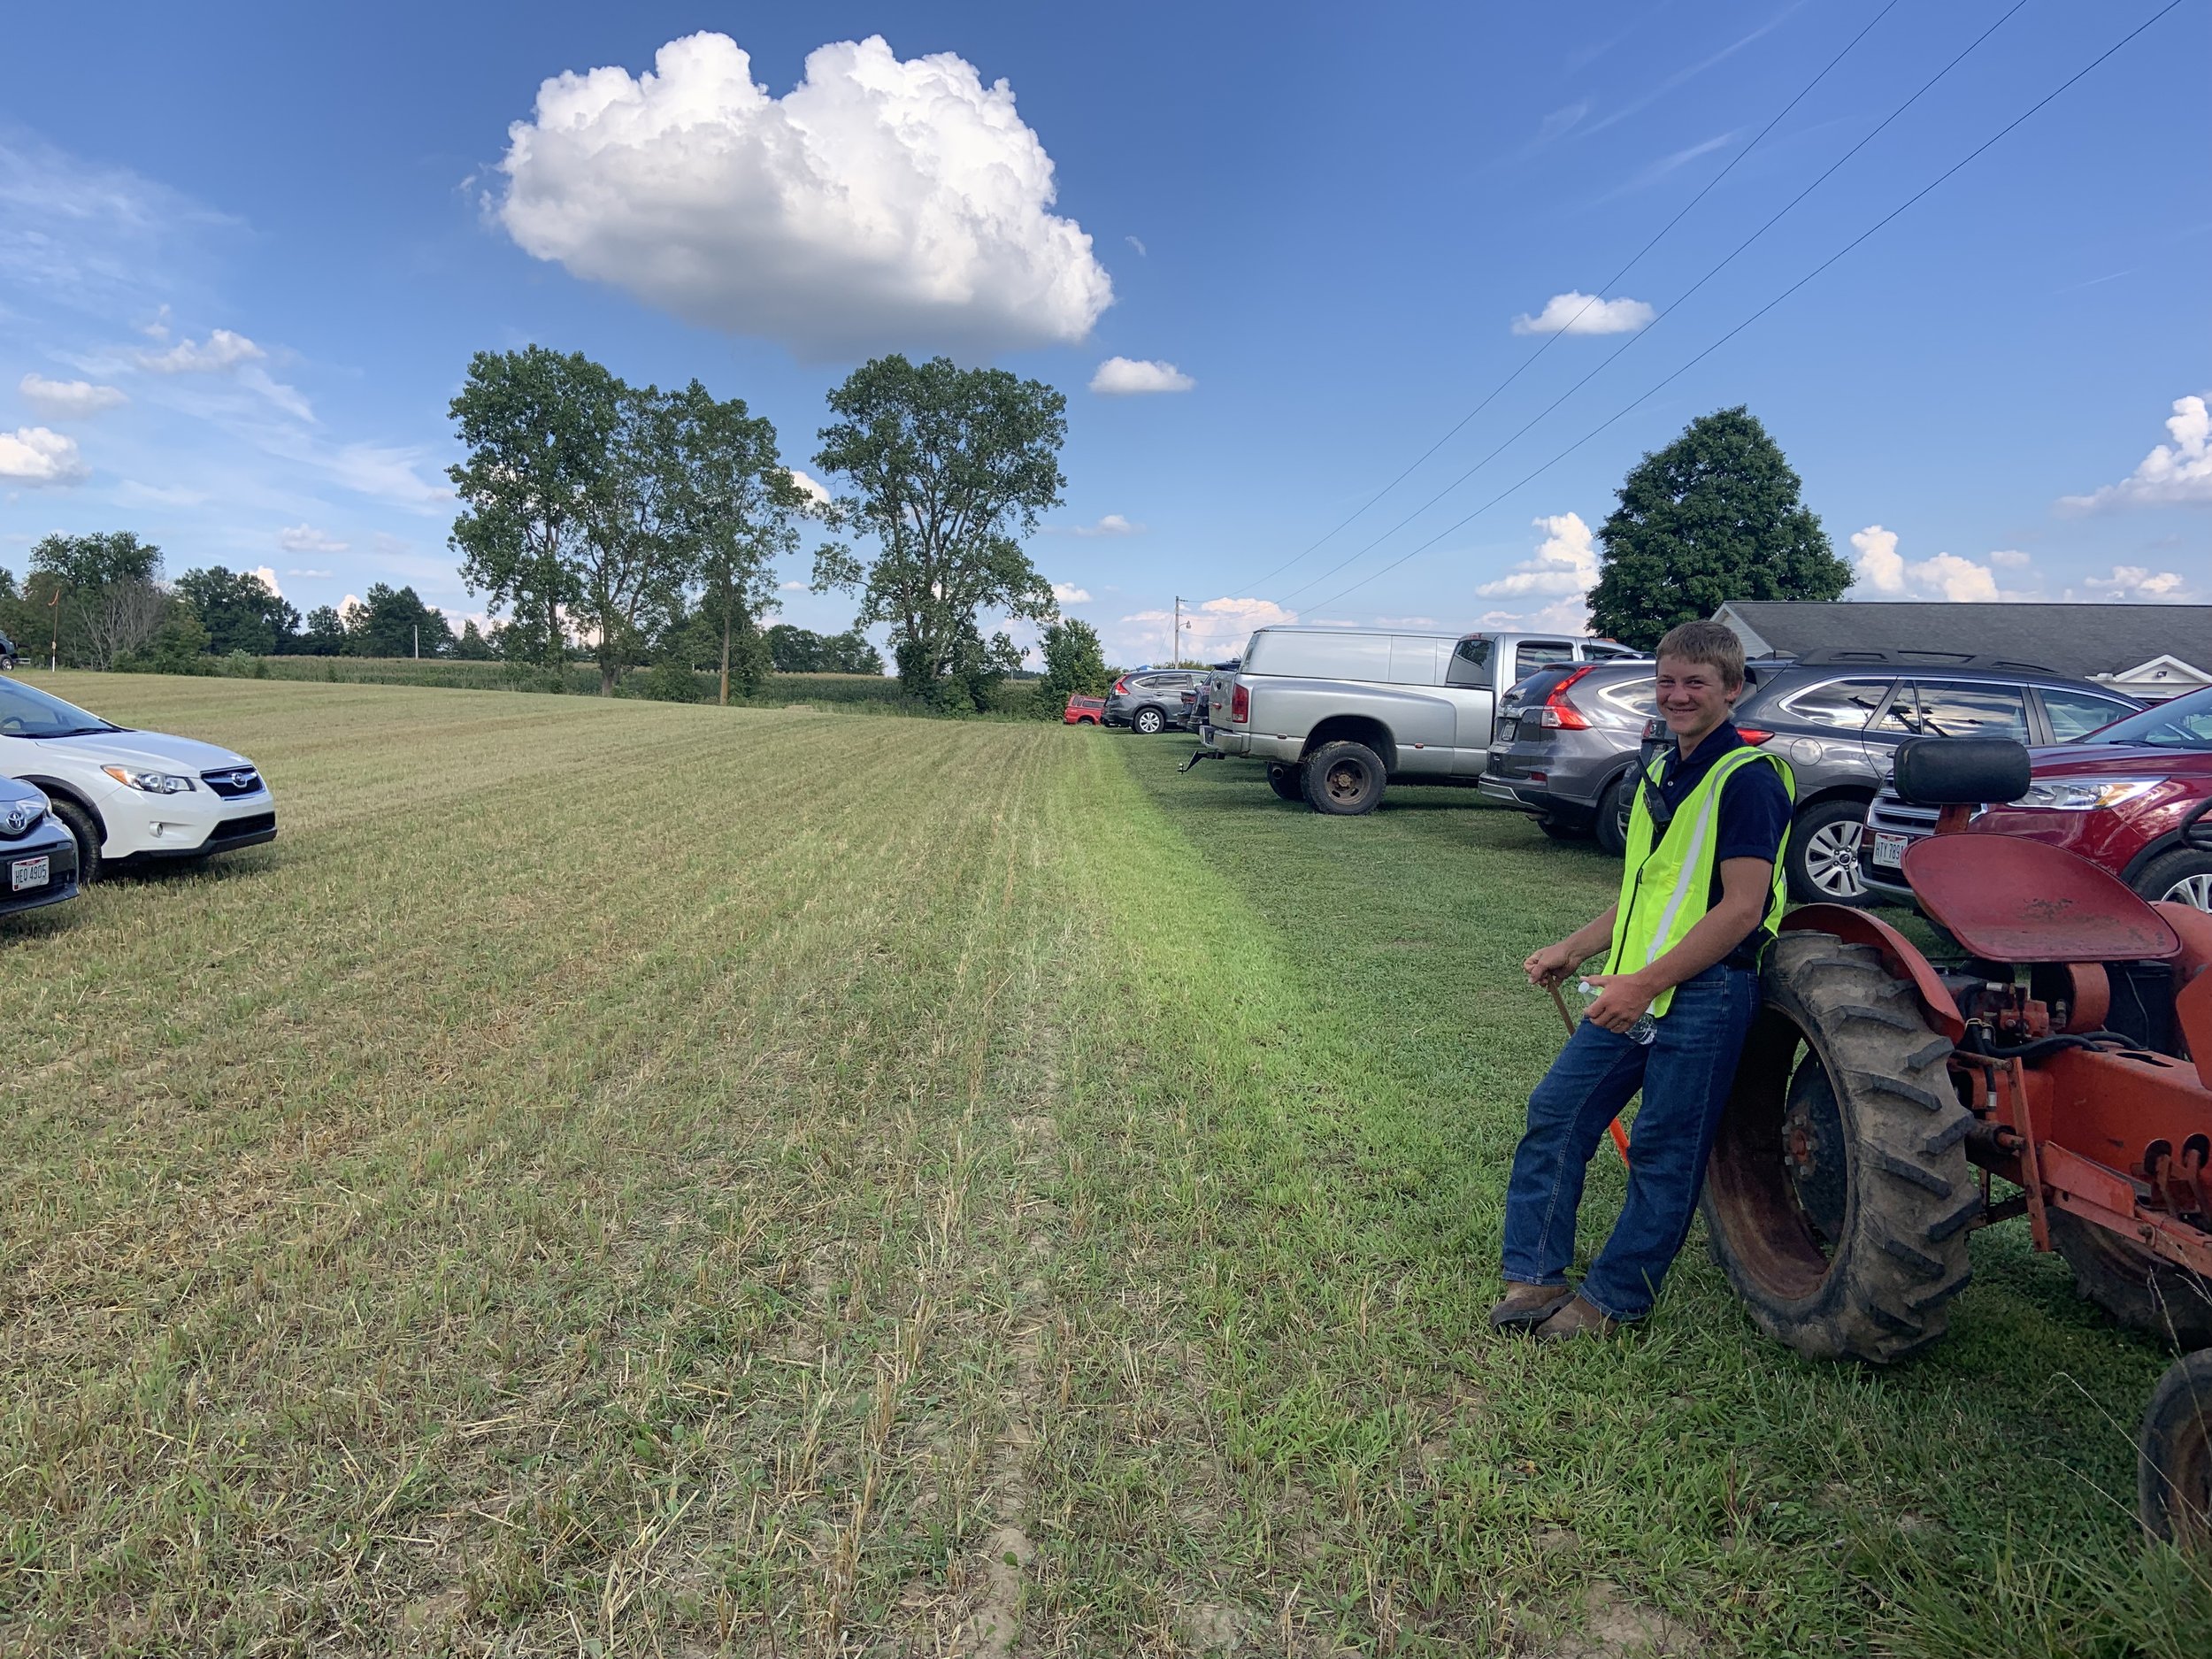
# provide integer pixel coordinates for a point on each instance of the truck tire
(79, 823)
(1823, 856)
(1610, 827)
(1344, 779)
(1839, 1195)
(2134, 1286)
(1287, 782)
(1148, 722)
(2173, 1461)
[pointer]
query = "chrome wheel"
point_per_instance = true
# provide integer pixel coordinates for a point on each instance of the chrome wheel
(1832, 861)
(2195, 891)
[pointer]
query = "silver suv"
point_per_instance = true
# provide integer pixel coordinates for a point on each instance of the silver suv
(1836, 717)
(1150, 700)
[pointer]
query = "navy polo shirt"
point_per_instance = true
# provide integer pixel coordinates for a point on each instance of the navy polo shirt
(1755, 811)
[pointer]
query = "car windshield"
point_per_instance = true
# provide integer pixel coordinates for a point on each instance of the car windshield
(27, 712)
(2185, 723)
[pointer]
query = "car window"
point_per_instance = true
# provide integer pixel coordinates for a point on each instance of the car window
(1470, 663)
(2185, 723)
(1531, 655)
(26, 711)
(2074, 714)
(1607, 654)
(1845, 704)
(1932, 709)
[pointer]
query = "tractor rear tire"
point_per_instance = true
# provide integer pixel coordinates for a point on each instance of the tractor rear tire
(1839, 1196)
(2134, 1286)
(1286, 781)
(2173, 1462)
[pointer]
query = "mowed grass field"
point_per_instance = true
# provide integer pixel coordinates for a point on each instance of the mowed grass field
(617, 1177)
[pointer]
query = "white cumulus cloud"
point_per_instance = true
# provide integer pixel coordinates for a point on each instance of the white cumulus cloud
(320, 576)
(1069, 594)
(267, 578)
(64, 400)
(1886, 574)
(33, 455)
(2175, 473)
(1576, 313)
(1562, 573)
(1134, 377)
(880, 203)
(2140, 585)
(810, 486)
(1109, 524)
(305, 538)
(1215, 629)
(222, 349)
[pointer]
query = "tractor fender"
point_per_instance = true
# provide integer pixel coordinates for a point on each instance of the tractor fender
(1899, 954)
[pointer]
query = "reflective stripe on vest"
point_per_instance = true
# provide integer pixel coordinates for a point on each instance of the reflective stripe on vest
(1667, 888)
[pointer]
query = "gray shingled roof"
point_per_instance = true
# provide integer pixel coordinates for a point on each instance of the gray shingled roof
(2079, 639)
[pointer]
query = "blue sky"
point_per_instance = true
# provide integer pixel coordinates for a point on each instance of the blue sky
(245, 251)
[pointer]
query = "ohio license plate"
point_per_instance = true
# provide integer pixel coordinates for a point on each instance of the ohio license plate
(27, 873)
(1509, 729)
(1889, 848)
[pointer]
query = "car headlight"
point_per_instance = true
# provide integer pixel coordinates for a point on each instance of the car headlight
(151, 782)
(2088, 795)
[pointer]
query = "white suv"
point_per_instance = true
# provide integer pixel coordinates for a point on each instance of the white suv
(131, 795)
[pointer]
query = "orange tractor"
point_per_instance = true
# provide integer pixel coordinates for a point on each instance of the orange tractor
(2066, 1051)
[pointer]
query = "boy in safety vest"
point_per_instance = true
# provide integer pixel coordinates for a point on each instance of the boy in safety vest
(1701, 897)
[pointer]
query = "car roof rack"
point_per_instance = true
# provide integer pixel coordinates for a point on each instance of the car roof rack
(1884, 657)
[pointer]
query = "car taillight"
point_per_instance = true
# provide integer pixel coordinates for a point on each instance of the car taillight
(1558, 712)
(1240, 704)
(1121, 688)
(1753, 735)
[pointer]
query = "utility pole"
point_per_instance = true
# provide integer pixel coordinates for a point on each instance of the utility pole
(53, 648)
(1175, 639)
(416, 628)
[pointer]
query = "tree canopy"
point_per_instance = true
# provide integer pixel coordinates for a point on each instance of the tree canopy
(801, 651)
(239, 611)
(110, 598)
(951, 467)
(1075, 667)
(1713, 517)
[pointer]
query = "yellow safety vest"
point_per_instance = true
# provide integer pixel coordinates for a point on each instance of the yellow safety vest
(1667, 888)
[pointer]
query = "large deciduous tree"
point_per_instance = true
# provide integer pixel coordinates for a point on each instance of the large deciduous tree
(394, 622)
(1075, 667)
(101, 593)
(240, 611)
(951, 467)
(540, 429)
(1713, 517)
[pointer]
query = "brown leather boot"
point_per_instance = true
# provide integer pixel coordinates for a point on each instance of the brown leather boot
(1526, 1305)
(1577, 1319)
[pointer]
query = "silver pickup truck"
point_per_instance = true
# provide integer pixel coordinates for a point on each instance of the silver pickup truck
(1336, 713)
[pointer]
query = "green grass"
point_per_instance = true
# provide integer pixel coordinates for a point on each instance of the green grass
(625, 1178)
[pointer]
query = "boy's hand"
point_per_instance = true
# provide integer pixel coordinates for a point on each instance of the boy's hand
(1550, 965)
(1623, 999)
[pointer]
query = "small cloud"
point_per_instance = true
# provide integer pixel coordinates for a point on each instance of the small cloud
(267, 578)
(319, 576)
(1577, 313)
(2010, 558)
(1883, 572)
(791, 587)
(221, 350)
(33, 455)
(285, 397)
(1138, 246)
(1069, 594)
(2172, 474)
(1560, 121)
(1406, 622)
(1130, 377)
(305, 538)
(63, 400)
(158, 329)
(2138, 584)
(811, 487)
(1111, 524)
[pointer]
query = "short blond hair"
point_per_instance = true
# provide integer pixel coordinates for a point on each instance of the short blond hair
(1713, 644)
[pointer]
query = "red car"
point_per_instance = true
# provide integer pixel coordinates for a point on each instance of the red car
(2135, 797)
(1084, 711)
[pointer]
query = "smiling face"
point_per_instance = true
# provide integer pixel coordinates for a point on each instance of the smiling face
(1693, 698)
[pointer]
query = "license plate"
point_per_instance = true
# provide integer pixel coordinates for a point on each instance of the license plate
(1889, 849)
(27, 873)
(1508, 730)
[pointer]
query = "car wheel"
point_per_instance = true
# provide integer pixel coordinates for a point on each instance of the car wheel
(2183, 876)
(79, 823)
(1285, 781)
(1343, 779)
(1822, 856)
(1148, 722)
(1614, 807)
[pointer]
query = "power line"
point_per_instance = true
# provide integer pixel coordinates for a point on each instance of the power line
(1673, 306)
(1662, 385)
(1634, 259)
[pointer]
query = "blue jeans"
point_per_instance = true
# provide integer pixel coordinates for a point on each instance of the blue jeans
(1685, 1072)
